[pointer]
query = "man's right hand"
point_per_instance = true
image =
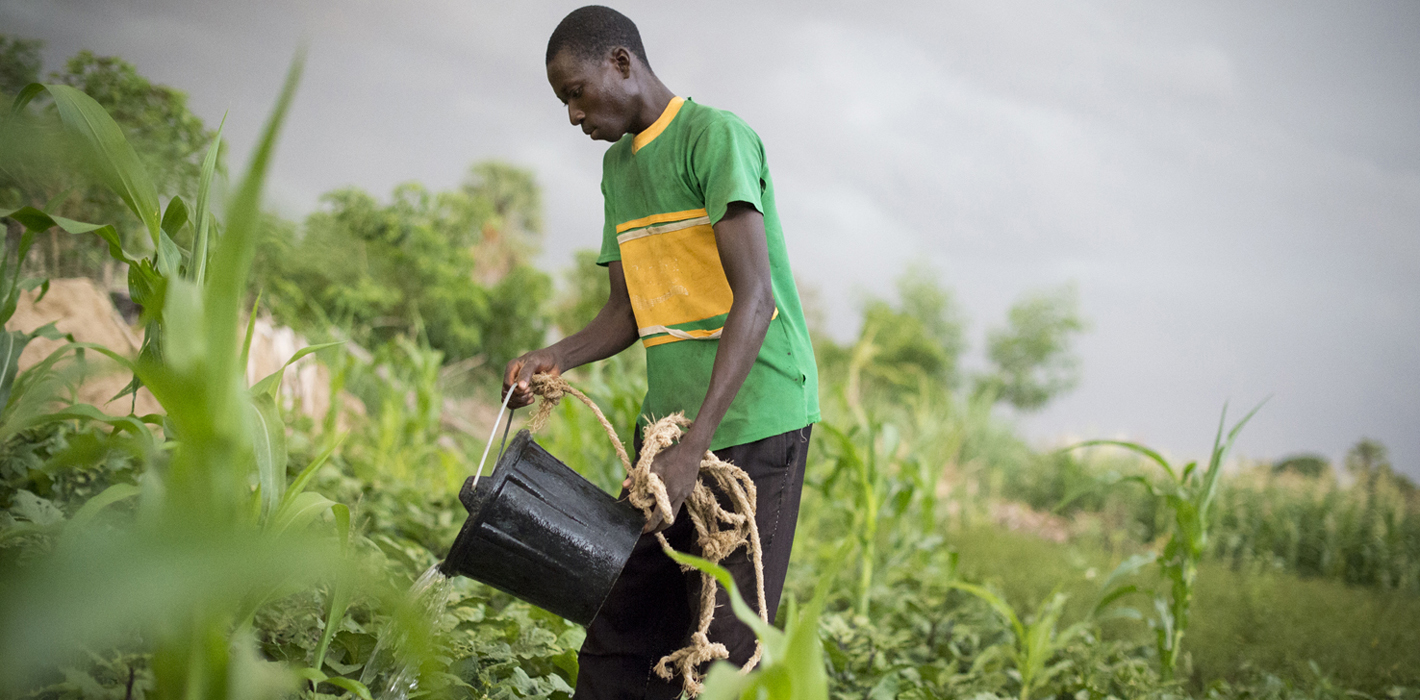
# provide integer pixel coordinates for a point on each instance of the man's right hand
(519, 372)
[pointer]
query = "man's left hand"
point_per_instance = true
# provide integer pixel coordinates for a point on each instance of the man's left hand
(679, 469)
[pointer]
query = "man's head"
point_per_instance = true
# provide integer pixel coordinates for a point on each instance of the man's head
(597, 66)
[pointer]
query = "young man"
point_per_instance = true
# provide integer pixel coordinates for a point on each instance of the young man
(700, 275)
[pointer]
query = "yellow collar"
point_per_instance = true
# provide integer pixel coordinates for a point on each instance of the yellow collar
(657, 126)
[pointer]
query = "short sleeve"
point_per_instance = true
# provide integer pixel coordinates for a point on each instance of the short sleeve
(611, 251)
(728, 163)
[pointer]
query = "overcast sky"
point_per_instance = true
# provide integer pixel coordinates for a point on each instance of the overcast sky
(1234, 188)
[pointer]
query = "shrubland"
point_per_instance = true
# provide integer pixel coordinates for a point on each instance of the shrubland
(226, 547)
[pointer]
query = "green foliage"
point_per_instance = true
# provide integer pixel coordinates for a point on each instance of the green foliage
(587, 289)
(170, 139)
(410, 269)
(1308, 465)
(204, 550)
(47, 167)
(1031, 356)
(1189, 496)
(19, 63)
(919, 339)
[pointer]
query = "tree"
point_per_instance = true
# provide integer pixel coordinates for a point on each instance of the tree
(169, 139)
(920, 338)
(1031, 357)
(19, 64)
(1312, 466)
(506, 205)
(587, 290)
(410, 268)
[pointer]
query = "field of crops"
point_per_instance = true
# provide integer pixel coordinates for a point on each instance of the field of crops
(234, 545)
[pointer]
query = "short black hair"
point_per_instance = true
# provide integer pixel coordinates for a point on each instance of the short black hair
(593, 31)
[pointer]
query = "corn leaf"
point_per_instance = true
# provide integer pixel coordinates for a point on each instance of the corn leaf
(12, 343)
(106, 498)
(1133, 447)
(175, 217)
(202, 220)
(268, 437)
(302, 509)
(773, 639)
(299, 483)
(272, 382)
(339, 598)
(232, 259)
(110, 153)
(1001, 607)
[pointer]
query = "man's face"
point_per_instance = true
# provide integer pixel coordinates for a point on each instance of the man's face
(598, 94)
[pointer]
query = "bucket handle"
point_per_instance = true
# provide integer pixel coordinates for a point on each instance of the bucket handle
(494, 434)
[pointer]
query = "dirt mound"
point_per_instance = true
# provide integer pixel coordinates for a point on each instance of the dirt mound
(80, 308)
(305, 387)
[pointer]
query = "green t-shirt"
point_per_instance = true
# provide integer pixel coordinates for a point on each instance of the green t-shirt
(664, 189)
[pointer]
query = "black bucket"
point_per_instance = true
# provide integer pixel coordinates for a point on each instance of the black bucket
(540, 532)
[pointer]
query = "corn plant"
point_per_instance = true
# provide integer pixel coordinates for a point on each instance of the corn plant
(1190, 497)
(206, 548)
(1034, 643)
(865, 471)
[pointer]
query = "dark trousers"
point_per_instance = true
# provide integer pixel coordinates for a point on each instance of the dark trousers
(654, 606)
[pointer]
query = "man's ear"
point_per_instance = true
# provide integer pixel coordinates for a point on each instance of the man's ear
(621, 58)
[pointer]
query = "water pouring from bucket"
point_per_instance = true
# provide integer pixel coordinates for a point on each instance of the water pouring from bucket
(539, 531)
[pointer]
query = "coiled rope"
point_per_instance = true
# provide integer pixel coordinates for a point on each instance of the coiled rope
(718, 531)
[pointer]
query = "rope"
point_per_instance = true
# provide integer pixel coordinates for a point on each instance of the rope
(719, 532)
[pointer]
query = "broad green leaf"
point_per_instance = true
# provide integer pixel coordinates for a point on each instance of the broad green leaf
(352, 685)
(24, 96)
(110, 153)
(269, 447)
(725, 682)
(298, 484)
(169, 256)
(803, 655)
(773, 639)
(1133, 447)
(106, 498)
(35, 282)
(251, 331)
(1001, 607)
(272, 382)
(183, 344)
(12, 343)
(300, 511)
(231, 262)
(175, 217)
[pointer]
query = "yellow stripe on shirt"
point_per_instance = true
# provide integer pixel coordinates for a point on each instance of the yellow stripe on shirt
(660, 219)
(656, 127)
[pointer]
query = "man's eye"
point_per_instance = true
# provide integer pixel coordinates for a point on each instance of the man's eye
(575, 93)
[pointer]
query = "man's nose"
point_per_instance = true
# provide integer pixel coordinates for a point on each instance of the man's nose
(576, 116)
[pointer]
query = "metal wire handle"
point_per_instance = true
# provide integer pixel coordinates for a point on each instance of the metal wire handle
(479, 474)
